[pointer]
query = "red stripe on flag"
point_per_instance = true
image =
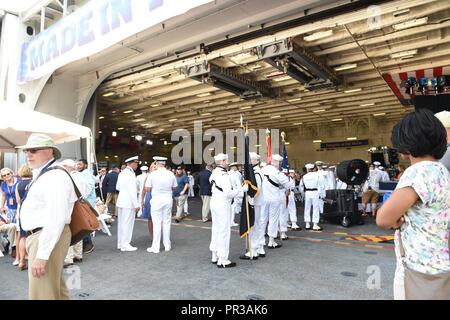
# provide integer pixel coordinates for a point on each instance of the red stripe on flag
(420, 74)
(437, 71)
(388, 78)
(403, 76)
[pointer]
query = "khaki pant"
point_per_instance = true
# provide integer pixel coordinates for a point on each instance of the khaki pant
(206, 211)
(112, 197)
(180, 206)
(52, 285)
(10, 230)
(75, 251)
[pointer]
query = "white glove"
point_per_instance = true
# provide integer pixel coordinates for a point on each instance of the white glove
(244, 188)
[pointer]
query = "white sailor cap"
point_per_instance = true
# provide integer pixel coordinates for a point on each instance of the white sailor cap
(381, 168)
(277, 157)
(68, 163)
(376, 163)
(444, 117)
(233, 164)
(132, 159)
(318, 163)
(309, 166)
(221, 157)
(291, 171)
(160, 159)
(144, 168)
(254, 156)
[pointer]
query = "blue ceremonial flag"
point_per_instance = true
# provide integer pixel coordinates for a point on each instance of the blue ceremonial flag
(284, 164)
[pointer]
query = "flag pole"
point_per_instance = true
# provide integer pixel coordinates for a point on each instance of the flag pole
(247, 211)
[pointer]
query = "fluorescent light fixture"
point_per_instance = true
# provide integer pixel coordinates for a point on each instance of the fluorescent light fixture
(281, 78)
(297, 123)
(108, 94)
(155, 105)
(233, 147)
(346, 67)
(172, 120)
(403, 54)
(255, 66)
(247, 107)
(138, 120)
(286, 143)
(138, 137)
(149, 142)
(410, 23)
(318, 35)
(294, 100)
(121, 128)
(101, 117)
(206, 114)
(367, 104)
(352, 90)
(114, 134)
(211, 149)
(352, 138)
(317, 141)
(320, 110)
(100, 131)
(106, 157)
(128, 111)
(275, 117)
(201, 95)
(258, 145)
(337, 119)
(116, 156)
(379, 114)
(165, 143)
(207, 126)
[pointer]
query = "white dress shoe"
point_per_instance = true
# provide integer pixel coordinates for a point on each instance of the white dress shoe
(128, 248)
(151, 250)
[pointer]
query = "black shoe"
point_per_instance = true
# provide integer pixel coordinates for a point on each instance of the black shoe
(275, 247)
(177, 221)
(214, 262)
(230, 265)
(88, 248)
(77, 260)
(260, 255)
(6, 247)
(296, 229)
(287, 238)
(67, 265)
(308, 228)
(245, 257)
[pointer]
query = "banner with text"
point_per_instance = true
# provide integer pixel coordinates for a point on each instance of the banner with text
(94, 27)
(343, 144)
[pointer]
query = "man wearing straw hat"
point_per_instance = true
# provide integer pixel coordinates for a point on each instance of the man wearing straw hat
(45, 215)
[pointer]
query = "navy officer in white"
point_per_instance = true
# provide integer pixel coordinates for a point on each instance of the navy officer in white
(127, 204)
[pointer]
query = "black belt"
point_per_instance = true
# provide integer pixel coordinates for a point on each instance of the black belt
(311, 189)
(29, 233)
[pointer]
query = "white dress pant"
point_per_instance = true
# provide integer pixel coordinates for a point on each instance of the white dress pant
(312, 198)
(125, 226)
(263, 220)
(221, 226)
(161, 211)
(292, 208)
(270, 213)
(321, 203)
(284, 215)
(256, 230)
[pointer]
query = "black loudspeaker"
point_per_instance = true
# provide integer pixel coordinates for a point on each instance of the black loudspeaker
(438, 103)
(353, 172)
(341, 205)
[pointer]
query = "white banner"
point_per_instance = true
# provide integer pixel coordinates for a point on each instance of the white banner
(94, 27)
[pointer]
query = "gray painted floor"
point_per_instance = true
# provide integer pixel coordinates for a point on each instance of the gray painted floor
(310, 265)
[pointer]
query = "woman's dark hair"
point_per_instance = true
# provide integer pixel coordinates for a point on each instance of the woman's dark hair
(420, 134)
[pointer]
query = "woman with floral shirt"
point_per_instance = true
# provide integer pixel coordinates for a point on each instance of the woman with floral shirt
(420, 204)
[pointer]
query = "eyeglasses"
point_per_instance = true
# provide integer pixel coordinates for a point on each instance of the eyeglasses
(6, 174)
(34, 150)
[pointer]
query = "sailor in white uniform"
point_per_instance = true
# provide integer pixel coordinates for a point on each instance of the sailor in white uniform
(311, 186)
(140, 181)
(292, 209)
(384, 174)
(222, 195)
(127, 204)
(161, 183)
(236, 182)
(274, 182)
(256, 250)
(323, 180)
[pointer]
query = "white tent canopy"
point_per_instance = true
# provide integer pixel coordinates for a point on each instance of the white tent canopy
(17, 123)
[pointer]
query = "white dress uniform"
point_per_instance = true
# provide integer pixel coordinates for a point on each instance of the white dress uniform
(162, 182)
(127, 202)
(258, 203)
(286, 195)
(384, 175)
(323, 181)
(190, 192)
(292, 209)
(311, 186)
(273, 181)
(140, 184)
(222, 195)
(236, 182)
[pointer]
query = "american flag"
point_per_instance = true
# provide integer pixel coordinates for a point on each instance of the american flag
(396, 81)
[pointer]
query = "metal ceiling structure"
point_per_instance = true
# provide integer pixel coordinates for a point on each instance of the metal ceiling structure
(324, 72)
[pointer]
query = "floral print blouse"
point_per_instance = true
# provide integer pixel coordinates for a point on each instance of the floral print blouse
(425, 232)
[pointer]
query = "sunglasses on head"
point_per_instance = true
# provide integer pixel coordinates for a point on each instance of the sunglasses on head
(33, 150)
